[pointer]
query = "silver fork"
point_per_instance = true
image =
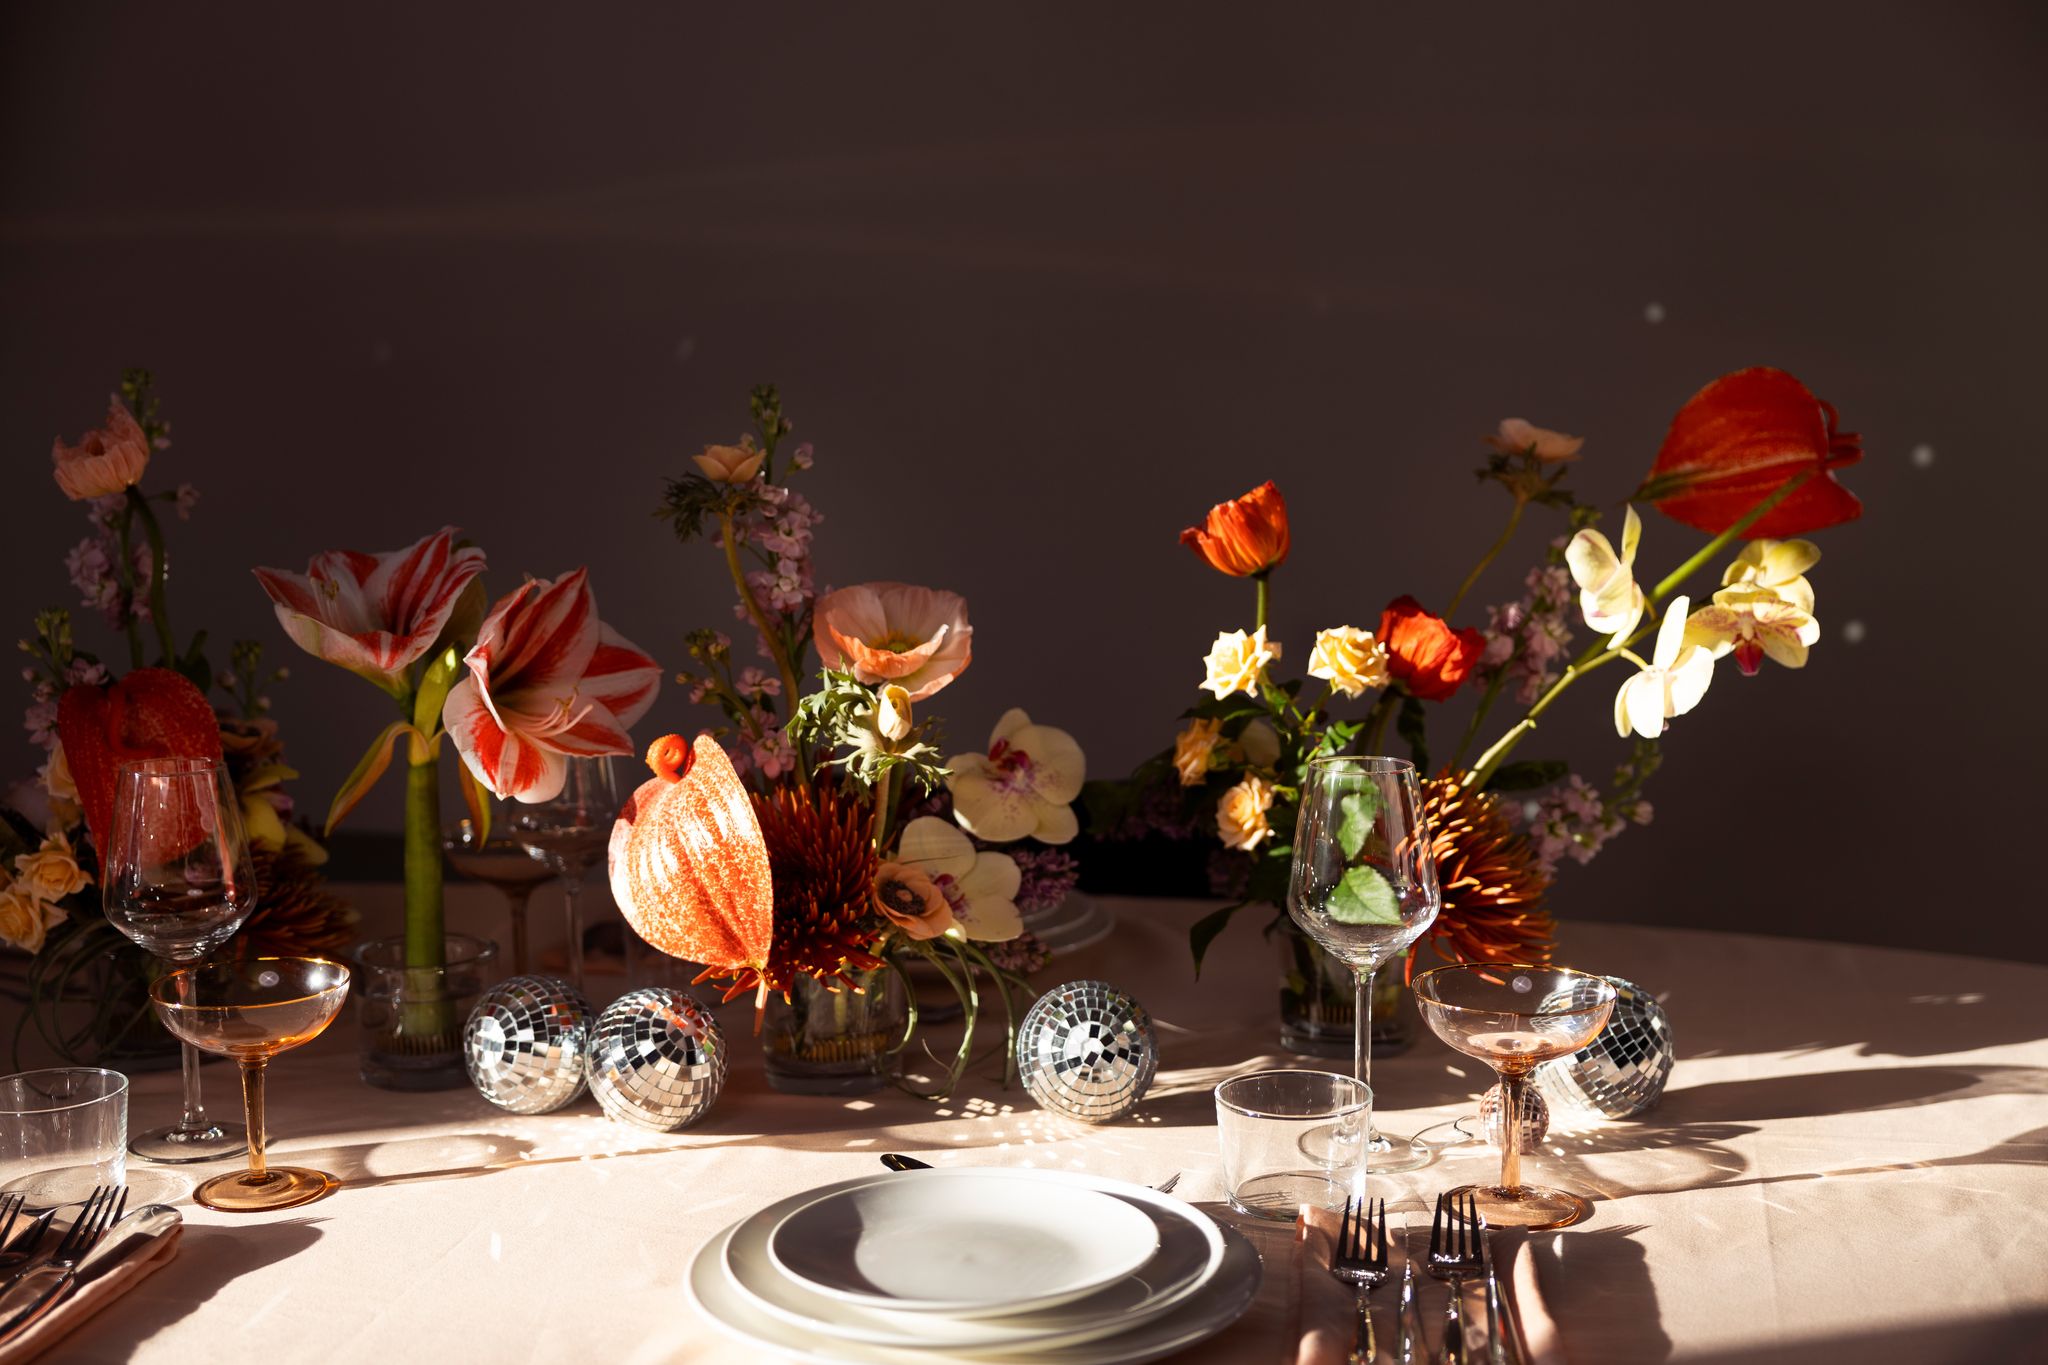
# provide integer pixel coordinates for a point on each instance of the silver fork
(54, 1276)
(1360, 1260)
(18, 1249)
(1454, 1254)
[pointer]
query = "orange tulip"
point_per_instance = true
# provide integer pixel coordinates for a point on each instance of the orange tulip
(1244, 537)
(1424, 653)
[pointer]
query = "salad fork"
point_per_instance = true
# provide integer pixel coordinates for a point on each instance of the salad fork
(55, 1275)
(1454, 1254)
(1359, 1259)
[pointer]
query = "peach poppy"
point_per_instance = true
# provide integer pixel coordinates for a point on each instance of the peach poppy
(104, 461)
(1244, 537)
(895, 633)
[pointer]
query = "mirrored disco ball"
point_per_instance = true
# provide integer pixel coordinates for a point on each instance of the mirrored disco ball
(1622, 1072)
(524, 1044)
(1087, 1050)
(657, 1058)
(1535, 1117)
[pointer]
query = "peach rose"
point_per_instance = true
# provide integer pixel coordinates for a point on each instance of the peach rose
(1236, 661)
(1349, 659)
(1192, 748)
(912, 901)
(1241, 814)
(51, 872)
(104, 461)
(25, 921)
(895, 633)
(731, 464)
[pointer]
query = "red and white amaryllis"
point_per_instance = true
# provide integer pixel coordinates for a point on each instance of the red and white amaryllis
(547, 680)
(375, 614)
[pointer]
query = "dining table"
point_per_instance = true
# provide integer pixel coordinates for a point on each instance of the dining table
(1850, 1162)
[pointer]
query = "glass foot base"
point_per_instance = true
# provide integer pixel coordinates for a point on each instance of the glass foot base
(173, 1145)
(1386, 1156)
(1528, 1206)
(1281, 1195)
(280, 1187)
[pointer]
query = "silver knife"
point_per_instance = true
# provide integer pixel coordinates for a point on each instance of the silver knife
(131, 1236)
(1496, 1349)
(1405, 1313)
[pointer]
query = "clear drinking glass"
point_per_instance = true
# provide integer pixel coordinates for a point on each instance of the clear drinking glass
(1363, 885)
(1291, 1138)
(63, 1133)
(252, 1010)
(178, 880)
(569, 833)
(503, 861)
(1515, 1017)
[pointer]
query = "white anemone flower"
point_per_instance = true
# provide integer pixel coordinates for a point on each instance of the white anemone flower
(1608, 593)
(1023, 788)
(981, 886)
(1671, 684)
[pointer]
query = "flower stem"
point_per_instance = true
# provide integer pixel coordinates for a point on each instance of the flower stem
(1720, 542)
(1259, 623)
(1507, 534)
(126, 571)
(159, 613)
(760, 620)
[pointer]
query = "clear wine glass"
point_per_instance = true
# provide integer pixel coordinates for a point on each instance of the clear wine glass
(178, 880)
(1515, 1017)
(501, 860)
(569, 833)
(252, 1010)
(1363, 886)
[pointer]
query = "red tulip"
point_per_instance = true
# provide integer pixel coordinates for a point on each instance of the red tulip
(1245, 536)
(150, 713)
(1424, 653)
(1737, 441)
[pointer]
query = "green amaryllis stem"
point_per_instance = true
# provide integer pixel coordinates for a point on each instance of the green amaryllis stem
(159, 613)
(1506, 535)
(425, 937)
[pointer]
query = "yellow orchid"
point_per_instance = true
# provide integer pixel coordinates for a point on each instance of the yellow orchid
(1608, 592)
(1670, 684)
(1753, 623)
(1235, 662)
(1775, 566)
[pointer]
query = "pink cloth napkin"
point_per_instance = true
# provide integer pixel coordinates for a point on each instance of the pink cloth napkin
(76, 1307)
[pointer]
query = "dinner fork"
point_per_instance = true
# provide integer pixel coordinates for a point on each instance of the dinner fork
(55, 1275)
(1360, 1260)
(18, 1248)
(1454, 1254)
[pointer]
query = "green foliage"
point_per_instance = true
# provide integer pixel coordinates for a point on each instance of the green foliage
(692, 500)
(1364, 896)
(1359, 809)
(1528, 775)
(1413, 725)
(841, 715)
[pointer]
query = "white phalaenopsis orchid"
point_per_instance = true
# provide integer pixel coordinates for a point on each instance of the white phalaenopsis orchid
(1754, 623)
(1671, 684)
(1608, 592)
(1023, 788)
(1774, 566)
(980, 886)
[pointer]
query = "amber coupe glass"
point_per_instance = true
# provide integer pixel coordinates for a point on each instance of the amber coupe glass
(1514, 1018)
(251, 1011)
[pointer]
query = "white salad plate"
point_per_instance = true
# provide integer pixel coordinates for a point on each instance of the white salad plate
(1190, 1251)
(972, 1242)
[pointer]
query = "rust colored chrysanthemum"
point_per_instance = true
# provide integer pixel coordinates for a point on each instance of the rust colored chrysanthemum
(295, 916)
(1492, 885)
(821, 852)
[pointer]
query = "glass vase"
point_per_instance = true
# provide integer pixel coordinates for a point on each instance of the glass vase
(835, 1042)
(412, 1017)
(1316, 995)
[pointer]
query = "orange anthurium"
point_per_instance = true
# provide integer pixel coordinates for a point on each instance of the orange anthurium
(1737, 441)
(1424, 653)
(1245, 536)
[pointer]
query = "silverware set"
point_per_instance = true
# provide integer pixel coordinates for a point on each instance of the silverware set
(29, 1286)
(1458, 1252)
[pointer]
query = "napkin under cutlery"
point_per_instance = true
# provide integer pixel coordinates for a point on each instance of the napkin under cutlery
(132, 1265)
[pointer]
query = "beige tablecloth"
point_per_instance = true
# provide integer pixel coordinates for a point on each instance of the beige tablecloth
(1853, 1151)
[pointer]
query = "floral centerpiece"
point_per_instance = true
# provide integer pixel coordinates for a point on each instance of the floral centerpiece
(85, 983)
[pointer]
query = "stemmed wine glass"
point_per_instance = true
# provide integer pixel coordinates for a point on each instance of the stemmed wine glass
(1363, 886)
(569, 833)
(251, 1011)
(1514, 1018)
(504, 862)
(178, 880)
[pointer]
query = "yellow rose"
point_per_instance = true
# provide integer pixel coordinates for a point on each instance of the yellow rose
(1192, 748)
(1235, 661)
(51, 872)
(1349, 659)
(1241, 814)
(731, 464)
(25, 921)
(57, 777)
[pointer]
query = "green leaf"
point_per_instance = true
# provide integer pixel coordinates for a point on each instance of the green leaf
(1359, 809)
(435, 684)
(1204, 931)
(1413, 725)
(1528, 775)
(478, 798)
(1364, 897)
(366, 772)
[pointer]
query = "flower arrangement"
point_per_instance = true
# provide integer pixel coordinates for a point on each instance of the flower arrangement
(1749, 458)
(883, 855)
(85, 981)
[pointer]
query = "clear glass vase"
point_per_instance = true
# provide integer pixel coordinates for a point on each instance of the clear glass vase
(1316, 1001)
(835, 1042)
(412, 1017)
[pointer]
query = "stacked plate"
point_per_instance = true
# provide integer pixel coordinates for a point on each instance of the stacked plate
(992, 1264)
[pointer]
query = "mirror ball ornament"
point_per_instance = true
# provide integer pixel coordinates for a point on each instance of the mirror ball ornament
(1087, 1050)
(1535, 1117)
(657, 1059)
(524, 1044)
(1622, 1072)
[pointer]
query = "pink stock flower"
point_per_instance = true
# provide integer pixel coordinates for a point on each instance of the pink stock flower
(547, 680)
(893, 632)
(374, 614)
(105, 461)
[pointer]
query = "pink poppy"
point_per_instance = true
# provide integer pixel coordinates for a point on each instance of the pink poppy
(895, 633)
(547, 680)
(105, 461)
(375, 614)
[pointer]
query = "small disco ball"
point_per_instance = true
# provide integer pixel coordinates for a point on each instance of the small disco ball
(1087, 1050)
(1535, 1118)
(524, 1044)
(657, 1059)
(1622, 1072)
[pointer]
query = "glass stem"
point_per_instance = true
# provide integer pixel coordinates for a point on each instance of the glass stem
(572, 908)
(1511, 1107)
(252, 1107)
(193, 1124)
(515, 902)
(1361, 1033)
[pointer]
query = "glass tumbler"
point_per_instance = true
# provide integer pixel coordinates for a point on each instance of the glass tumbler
(63, 1133)
(1292, 1138)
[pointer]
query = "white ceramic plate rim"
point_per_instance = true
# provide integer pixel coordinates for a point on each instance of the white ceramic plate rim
(986, 1334)
(714, 1296)
(1144, 1244)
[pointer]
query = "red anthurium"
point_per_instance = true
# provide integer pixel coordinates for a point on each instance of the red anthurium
(1424, 653)
(1245, 536)
(150, 713)
(1737, 441)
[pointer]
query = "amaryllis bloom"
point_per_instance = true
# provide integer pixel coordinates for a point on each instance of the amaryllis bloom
(1241, 815)
(105, 461)
(1423, 653)
(1754, 624)
(1774, 566)
(1193, 748)
(912, 901)
(1739, 440)
(731, 464)
(1235, 662)
(980, 888)
(1024, 788)
(375, 614)
(1518, 437)
(1348, 659)
(895, 633)
(1245, 536)
(1671, 684)
(547, 681)
(1609, 595)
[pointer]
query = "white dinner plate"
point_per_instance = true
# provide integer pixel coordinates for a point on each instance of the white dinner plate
(1202, 1316)
(973, 1242)
(1190, 1251)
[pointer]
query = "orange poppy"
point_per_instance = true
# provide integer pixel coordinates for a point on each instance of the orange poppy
(1424, 653)
(1244, 537)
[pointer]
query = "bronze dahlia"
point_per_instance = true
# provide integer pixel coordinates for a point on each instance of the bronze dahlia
(295, 915)
(1492, 885)
(821, 852)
